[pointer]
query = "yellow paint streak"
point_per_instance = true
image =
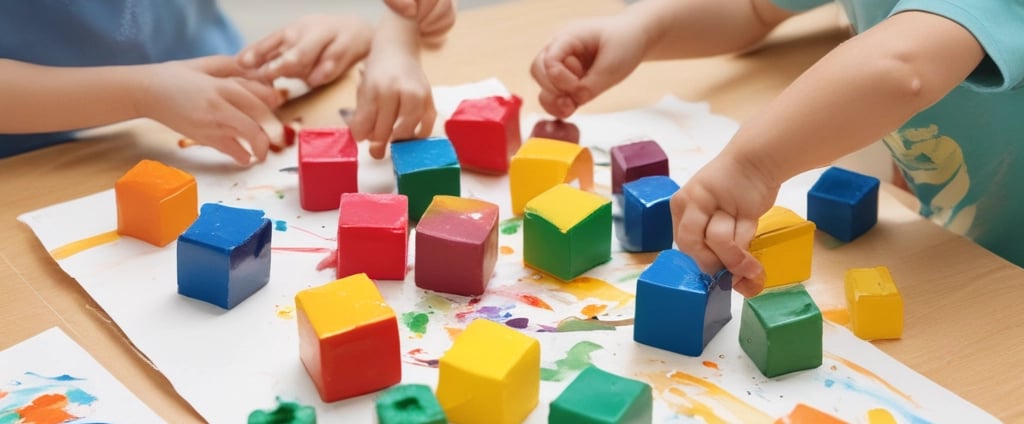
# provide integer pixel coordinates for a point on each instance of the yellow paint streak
(672, 388)
(286, 312)
(867, 373)
(453, 332)
(840, 316)
(76, 247)
(880, 416)
(506, 250)
(584, 288)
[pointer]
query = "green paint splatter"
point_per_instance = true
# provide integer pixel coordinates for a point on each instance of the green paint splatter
(511, 226)
(576, 324)
(285, 413)
(575, 360)
(416, 321)
(279, 193)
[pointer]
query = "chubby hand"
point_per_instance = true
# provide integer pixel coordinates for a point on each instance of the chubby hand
(715, 217)
(585, 59)
(315, 48)
(210, 101)
(433, 17)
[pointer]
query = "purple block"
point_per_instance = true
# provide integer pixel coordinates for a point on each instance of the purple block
(636, 160)
(456, 245)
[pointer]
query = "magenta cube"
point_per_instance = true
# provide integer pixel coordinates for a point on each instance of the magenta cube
(373, 235)
(327, 167)
(485, 133)
(456, 245)
(637, 160)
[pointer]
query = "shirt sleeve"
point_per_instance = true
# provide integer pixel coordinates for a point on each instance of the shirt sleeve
(998, 25)
(800, 5)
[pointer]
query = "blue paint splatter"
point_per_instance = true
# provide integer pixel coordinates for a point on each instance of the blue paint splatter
(890, 403)
(829, 382)
(62, 377)
(79, 396)
(280, 225)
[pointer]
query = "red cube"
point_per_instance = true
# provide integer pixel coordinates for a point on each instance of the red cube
(556, 129)
(485, 133)
(327, 167)
(373, 235)
(456, 245)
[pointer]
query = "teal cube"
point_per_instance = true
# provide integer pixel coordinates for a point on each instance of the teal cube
(781, 330)
(425, 168)
(599, 397)
(409, 404)
(567, 231)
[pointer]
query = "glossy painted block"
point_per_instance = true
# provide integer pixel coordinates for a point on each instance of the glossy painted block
(425, 168)
(646, 216)
(843, 203)
(155, 202)
(556, 129)
(409, 404)
(224, 256)
(491, 374)
(542, 163)
(485, 132)
(456, 245)
(596, 396)
(285, 413)
(783, 244)
(328, 167)
(781, 330)
(875, 305)
(636, 160)
(678, 307)
(373, 235)
(567, 231)
(348, 338)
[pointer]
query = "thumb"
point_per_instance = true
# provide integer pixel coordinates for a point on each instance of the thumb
(604, 73)
(406, 8)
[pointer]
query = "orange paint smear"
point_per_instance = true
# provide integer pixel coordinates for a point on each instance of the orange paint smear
(838, 316)
(867, 373)
(46, 409)
(696, 401)
(76, 247)
(803, 414)
(453, 332)
(711, 365)
(506, 250)
(583, 288)
(591, 311)
(2, 394)
(534, 301)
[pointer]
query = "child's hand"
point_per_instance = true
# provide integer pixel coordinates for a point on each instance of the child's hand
(433, 17)
(316, 49)
(584, 60)
(208, 100)
(393, 101)
(715, 217)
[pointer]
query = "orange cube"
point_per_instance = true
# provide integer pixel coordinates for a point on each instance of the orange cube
(155, 202)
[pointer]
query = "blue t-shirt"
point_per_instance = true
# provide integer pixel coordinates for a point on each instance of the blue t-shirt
(107, 32)
(964, 156)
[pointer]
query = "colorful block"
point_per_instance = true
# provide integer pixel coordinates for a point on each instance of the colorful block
(599, 397)
(636, 160)
(843, 203)
(456, 245)
(491, 374)
(348, 338)
(425, 168)
(678, 307)
(328, 167)
(567, 231)
(485, 132)
(875, 305)
(646, 216)
(409, 404)
(542, 163)
(556, 129)
(781, 330)
(224, 256)
(373, 235)
(155, 202)
(783, 244)
(285, 413)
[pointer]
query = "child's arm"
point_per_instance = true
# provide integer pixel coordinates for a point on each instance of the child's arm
(862, 90)
(199, 98)
(394, 99)
(434, 17)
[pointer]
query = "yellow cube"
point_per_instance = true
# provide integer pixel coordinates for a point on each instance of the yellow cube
(876, 307)
(491, 374)
(783, 244)
(543, 163)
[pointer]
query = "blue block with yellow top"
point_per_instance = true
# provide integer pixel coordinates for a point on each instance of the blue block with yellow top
(646, 217)
(224, 256)
(425, 168)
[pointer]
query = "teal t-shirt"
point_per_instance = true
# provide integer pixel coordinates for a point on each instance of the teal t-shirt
(107, 32)
(964, 156)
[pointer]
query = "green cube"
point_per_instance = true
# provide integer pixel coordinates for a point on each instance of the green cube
(409, 404)
(599, 397)
(780, 330)
(567, 231)
(425, 168)
(285, 413)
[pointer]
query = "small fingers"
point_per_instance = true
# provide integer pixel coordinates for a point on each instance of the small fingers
(748, 287)
(690, 239)
(260, 52)
(720, 237)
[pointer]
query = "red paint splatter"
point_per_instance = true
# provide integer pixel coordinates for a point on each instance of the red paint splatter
(711, 365)
(46, 409)
(331, 261)
(534, 301)
(302, 249)
(297, 228)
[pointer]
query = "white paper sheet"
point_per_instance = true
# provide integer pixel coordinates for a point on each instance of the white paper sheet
(227, 363)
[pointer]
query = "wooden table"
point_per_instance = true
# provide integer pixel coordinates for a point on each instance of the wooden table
(962, 303)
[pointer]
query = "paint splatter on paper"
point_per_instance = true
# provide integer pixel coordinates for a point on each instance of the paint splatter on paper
(575, 360)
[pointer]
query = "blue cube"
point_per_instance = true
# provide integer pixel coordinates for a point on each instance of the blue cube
(224, 256)
(678, 307)
(646, 217)
(843, 203)
(425, 168)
